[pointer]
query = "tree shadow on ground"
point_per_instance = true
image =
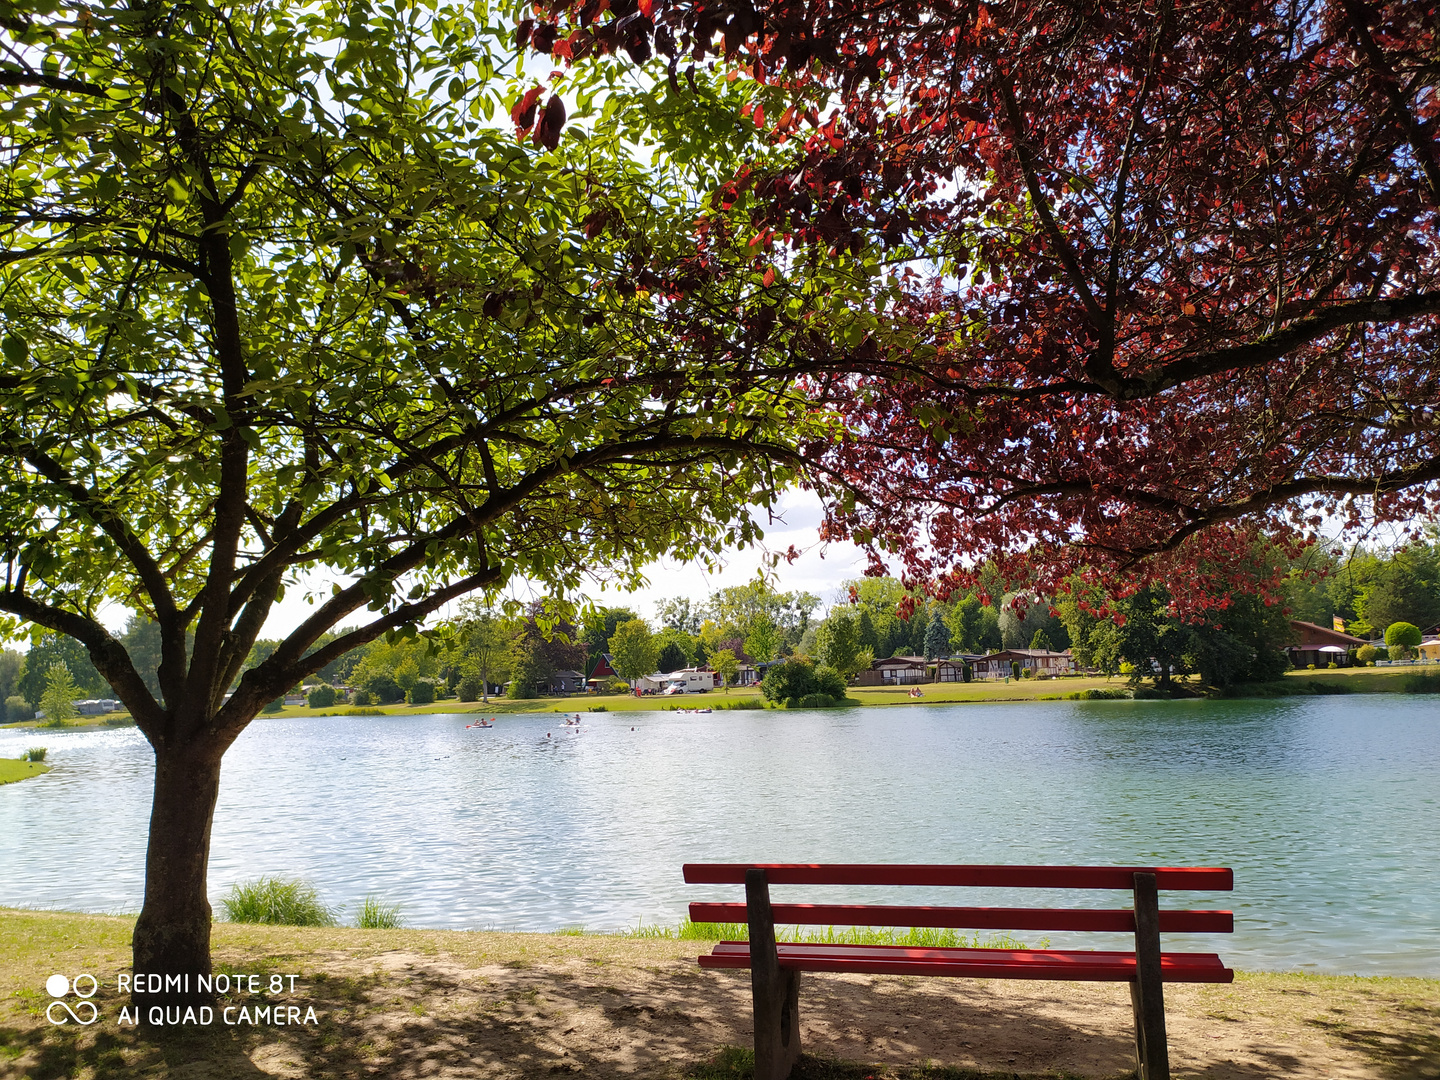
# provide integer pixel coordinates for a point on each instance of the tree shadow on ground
(1410, 1050)
(408, 1016)
(60, 1053)
(426, 1021)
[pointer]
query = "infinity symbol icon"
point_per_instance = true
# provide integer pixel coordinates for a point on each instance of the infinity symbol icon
(94, 1012)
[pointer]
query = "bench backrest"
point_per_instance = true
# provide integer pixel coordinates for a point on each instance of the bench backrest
(987, 918)
(1009, 877)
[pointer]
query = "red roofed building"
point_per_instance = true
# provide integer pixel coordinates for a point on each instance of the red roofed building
(1320, 645)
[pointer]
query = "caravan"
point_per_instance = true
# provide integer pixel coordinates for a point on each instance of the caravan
(687, 681)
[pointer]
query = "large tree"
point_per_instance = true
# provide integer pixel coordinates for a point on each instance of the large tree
(1182, 279)
(282, 307)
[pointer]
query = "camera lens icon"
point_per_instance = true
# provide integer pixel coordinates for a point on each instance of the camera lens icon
(84, 988)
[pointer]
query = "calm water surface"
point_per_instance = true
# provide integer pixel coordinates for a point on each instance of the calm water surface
(1327, 808)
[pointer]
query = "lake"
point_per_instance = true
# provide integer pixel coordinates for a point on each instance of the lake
(1328, 809)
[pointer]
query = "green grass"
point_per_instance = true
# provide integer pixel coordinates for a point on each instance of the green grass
(12, 771)
(276, 901)
(375, 914)
(1424, 683)
(34, 753)
(918, 937)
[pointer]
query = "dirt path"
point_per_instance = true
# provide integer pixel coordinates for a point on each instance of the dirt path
(433, 1004)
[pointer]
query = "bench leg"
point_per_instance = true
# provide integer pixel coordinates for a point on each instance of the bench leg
(1147, 993)
(776, 990)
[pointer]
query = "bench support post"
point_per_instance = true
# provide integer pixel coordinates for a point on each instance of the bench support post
(1147, 995)
(776, 991)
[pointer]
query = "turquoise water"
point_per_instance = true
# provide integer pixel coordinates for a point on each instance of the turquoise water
(1327, 808)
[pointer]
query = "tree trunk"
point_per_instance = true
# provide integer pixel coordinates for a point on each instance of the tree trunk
(172, 935)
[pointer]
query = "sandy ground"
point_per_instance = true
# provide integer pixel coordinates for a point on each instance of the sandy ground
(434, 1004)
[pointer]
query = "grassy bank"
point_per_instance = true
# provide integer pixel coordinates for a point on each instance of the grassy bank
(427, 1003)
(12, 771)
(117, 719)
(1388, 680)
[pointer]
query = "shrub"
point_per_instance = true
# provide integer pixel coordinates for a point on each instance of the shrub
(1027, 673)
(322, 697)
(829, 682)
(470, 688)
(1309, 667)
(373, 914)
(384, 689)
(811, 701)
(364, 712)
(1014, 669)
(1042, 674)
(788, 679)
(1366, 654)
(362, 697)
(1127, 668)
(617, 686)
(276, 902)
(1147, 693)
(273, 706)
(1332, 664)
(422, 693)
(1099, 693)
(17, 709)
(1401, 637)
(35, 753)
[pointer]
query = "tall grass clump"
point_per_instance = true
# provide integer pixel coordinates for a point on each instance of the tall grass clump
(35, 753)
(1428, 683)
(375, 914)
(276, 902)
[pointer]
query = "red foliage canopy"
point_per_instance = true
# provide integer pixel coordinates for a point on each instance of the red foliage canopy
(1185, 263)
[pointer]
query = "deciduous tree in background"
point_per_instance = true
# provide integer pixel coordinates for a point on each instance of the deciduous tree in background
(58, 700)
(727, 666)
(1186, 272)
(633, 649)
(278, 299)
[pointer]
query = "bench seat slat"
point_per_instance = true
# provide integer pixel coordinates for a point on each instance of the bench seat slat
(1062, 964)
(977, 918)
(1040, 877)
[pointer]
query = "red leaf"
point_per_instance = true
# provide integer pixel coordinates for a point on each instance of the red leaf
(547, 131)
(523, 111)
(769, 278)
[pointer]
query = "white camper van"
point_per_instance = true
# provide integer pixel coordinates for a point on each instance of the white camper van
(689, 681)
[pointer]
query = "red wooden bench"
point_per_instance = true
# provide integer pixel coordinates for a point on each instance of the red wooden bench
(775, 968)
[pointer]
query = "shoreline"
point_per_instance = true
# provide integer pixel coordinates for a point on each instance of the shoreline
(423, 1003)
(1389, 680)
(14, 772)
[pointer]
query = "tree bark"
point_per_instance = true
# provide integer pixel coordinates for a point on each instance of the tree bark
(172, 935)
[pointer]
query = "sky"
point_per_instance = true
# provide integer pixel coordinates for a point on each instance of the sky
(820, 570)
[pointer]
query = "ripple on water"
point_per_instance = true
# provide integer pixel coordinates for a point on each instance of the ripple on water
(1329, 810)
